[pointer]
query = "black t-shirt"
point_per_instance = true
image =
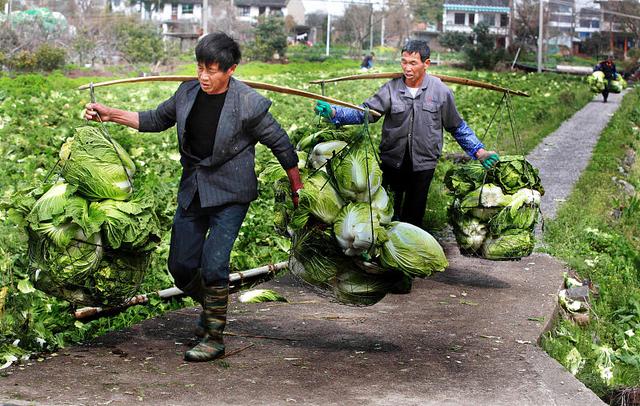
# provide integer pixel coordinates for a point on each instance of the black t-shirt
(202, 124)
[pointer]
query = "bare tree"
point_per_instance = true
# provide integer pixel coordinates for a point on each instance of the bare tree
(353, 27)
(525, 23)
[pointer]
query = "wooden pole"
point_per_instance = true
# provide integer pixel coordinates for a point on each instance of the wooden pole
(239, 277)
(255, 85)
(444, 78)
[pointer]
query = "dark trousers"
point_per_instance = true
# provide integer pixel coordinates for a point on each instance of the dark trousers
(410, 189)
(203, 238)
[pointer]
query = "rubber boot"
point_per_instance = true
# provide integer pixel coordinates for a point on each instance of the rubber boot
(216, 299)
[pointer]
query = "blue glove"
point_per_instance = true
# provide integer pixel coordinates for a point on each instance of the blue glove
(490, 161)
(324, 109)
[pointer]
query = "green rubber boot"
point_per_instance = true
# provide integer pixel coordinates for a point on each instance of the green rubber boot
(216, 299)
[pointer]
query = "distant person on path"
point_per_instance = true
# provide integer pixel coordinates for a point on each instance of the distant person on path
(416, 107)
(219, 120)
(609, 69)
(367, 62)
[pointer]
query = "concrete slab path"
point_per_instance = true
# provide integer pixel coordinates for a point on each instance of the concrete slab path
(464, 337)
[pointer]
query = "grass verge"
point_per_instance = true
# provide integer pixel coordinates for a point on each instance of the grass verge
(597, 233)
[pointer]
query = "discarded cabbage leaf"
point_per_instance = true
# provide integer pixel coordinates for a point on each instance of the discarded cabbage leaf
(260, 296)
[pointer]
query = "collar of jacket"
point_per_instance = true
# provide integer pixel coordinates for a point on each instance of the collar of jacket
(423, 87)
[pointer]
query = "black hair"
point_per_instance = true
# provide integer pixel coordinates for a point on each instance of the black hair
(219, 48)
(421, 47)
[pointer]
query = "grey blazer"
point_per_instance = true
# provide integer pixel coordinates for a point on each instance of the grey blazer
(228, 175)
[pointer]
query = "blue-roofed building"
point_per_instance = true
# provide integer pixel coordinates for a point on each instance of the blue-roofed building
(463, 15)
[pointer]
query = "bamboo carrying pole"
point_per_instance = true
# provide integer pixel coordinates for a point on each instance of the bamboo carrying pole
(240, 277)
(255, 85)
(444, 78)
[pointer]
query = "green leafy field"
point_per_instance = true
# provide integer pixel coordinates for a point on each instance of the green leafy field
(37, 113)
(597, 232)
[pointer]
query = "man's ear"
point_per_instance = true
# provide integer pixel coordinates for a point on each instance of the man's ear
(427, 63)
(232, 69)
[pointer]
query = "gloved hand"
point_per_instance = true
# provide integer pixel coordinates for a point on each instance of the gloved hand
(296, 184)
(324, 109)
(490, 161)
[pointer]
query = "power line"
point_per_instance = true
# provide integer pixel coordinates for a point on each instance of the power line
(564, 3)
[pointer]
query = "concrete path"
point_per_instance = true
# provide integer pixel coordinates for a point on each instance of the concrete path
(464, 337)
(564, 154)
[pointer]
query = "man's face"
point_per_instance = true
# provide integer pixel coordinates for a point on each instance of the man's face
(212, 79)
(413, 67)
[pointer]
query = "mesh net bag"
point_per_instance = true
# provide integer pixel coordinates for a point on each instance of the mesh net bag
(494, 213)
(342, 226)
(86, 272)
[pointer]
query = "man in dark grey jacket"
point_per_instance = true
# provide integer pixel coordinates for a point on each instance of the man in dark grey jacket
(219, 120)
(416, 108)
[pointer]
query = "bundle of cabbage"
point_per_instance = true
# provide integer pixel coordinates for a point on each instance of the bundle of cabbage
(596, 81)
(617, 85)
(344, 242)
(82, 249)
(495, 212)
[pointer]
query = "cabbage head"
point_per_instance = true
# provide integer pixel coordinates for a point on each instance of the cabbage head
(470, 233)
(131, 225)
(59, 206)
(350, 173)
(355, 229)
(382, 206)
(615, 86)
(412, 250)
(68, 265)
(324, 151)
(320, 198)
(514, 172)
(488, 195)
(512, 244)
(596, 82)
(316, 258)
(359, 288)
(463, 179)
(100, 168)
(524, 218)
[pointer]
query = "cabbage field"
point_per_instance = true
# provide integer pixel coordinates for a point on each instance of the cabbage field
(38, 113)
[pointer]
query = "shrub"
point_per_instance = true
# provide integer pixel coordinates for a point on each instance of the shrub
(49, 57)
(483, 53)
(138, 42)
(454, 40)
(23, 61)
(270, 38)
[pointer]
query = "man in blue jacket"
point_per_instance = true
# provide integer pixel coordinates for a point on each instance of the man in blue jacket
(219, 120)
(416, 107)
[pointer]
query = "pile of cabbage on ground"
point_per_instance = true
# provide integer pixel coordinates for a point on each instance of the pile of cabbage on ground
(90, 235)
(597, 83)
(344, 241)
(494, 212)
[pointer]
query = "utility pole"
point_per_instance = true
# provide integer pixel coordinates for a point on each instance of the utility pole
(371, 27)
(205, 17)
(540, 32)
(382, 26)
(328, 32)
(9, 12)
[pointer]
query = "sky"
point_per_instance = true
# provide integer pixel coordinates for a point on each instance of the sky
(335, 6)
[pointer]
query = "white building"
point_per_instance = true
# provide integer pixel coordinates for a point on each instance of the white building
(250, 10)
(463, 15)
